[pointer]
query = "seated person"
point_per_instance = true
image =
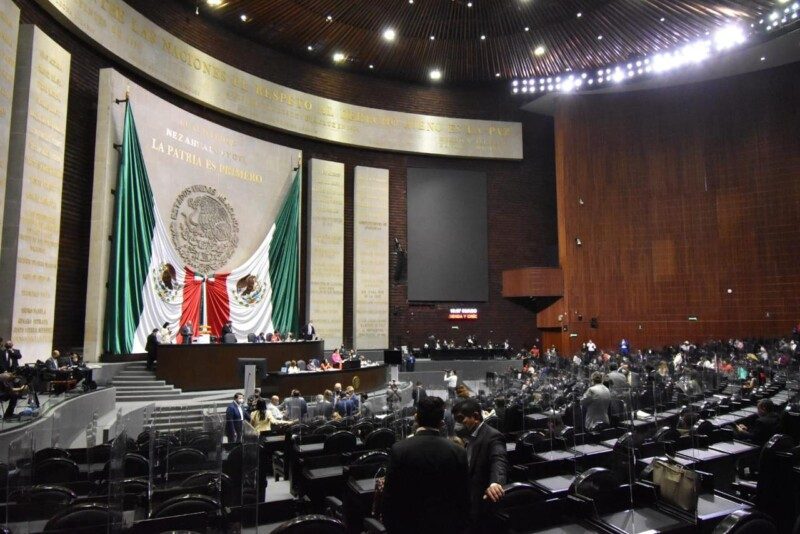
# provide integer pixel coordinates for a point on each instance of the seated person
(312, 365)
(766, 426)
(274, 414)
(9, 392)
(79, 369)
(293, 369)
(276, 336)
(336, 359)
(325, 366)
(53, 363)
(289, 337)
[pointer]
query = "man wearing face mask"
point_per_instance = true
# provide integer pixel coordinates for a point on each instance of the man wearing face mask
(235, 416)
(486, 457)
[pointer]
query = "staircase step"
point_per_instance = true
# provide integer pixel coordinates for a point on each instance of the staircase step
(144, 387)
(146, 398)
(138, 382)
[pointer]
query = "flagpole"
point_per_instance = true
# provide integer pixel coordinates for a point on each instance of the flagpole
(299, 232)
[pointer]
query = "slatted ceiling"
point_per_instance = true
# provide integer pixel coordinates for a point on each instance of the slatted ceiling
(630, 28)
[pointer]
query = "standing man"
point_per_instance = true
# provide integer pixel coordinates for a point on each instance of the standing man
(11, 357)
(486, 457)
(235, 416)
(451, 381)
(309, 332)
(595, 402)
(150, 348)
(186, 332)
(427, 483)
(295, 406)
(418, 393)
(393, 398)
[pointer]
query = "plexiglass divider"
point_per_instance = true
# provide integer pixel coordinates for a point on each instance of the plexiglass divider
(19, 483)
(122, 493)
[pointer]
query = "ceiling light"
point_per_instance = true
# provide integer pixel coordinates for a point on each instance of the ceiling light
(728, 37)
(432, 37)
(539, 51)
(373, 66)
(410, 1)
(599, 37)
(662, 19)
(243, 17)
(329, 18)
(338, 57)
(579, 15)
(469, 4)
(483, 37)
(763, 58)
(527, 28)
(496, 74)
(310, 48)
(214, 3)
(389, 34)
(435, 74)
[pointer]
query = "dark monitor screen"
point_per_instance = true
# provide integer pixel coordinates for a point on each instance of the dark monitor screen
(392, 357)
(447, 236)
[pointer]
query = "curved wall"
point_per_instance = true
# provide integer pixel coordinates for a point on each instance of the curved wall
(521, 194)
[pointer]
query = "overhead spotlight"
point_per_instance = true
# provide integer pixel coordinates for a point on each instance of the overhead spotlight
(763, 58)
(435, 75)
(483, 37)
(578, 241)
(214, 3)
(662, 19)
(371, 66)
(469, 4)
(197, 9)
(410, 1)
(599, 37)
(579, 15)
(243, 17)
(329, 18)
(389, 34)
(432, 37)
(496, 74)
(539, 51)
(515, 90)
(310, 48)
(527, 28)
(515, 83)
(728, 37)
(338, 57)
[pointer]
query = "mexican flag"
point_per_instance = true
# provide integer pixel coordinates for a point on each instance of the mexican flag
(150, 285)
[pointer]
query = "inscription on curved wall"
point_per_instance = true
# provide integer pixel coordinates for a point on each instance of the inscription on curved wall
(142, 44)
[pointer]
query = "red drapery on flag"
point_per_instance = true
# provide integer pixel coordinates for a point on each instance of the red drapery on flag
(218, 310)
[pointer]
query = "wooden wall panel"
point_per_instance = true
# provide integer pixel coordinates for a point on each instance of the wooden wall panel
(533, 282)
(688, 192)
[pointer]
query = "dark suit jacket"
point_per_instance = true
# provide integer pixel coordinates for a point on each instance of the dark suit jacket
(762, 429)
(152, 342)
(186, 332)
(487, 465)
(418, 392)
(427, 486)
(10, 359)
(234, 423)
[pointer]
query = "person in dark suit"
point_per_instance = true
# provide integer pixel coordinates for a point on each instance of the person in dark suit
(766, 426)
(324, 406)
(309, 332)
(186, 332)
(11, 357)
(418, 393)
(427, 482)
(227, 328)
(150, 348)
(295, 406)
(235, 416)
(51, 363)
(486, 455)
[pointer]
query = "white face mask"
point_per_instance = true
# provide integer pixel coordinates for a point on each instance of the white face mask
(240, 401)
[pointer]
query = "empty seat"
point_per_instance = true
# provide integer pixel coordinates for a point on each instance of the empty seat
(382, 438)
(311, 524)
(85, 518)
(191, 503)
(339, 442)
(55, 471)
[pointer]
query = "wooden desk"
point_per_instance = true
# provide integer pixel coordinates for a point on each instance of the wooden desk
(281, 384)
(202, 367)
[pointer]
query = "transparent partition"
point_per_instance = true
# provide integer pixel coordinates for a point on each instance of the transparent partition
(123, 493)
(249, 483)
(19, 482)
